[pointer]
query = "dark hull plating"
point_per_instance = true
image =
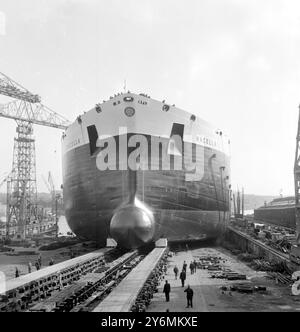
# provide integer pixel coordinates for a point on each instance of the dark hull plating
(281, 216)
(183, 210)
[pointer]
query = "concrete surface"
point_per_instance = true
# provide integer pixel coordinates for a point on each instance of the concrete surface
(207, 293)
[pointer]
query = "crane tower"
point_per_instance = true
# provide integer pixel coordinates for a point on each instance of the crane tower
(26, 109)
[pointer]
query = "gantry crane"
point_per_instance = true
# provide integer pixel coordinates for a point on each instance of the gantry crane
(26, 109)
(13, 89)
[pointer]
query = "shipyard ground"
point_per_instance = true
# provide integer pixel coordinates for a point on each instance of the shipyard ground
(20, 257)
(208, 297)
(210, 294)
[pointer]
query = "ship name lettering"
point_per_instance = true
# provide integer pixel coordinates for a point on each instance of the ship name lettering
(206, 141)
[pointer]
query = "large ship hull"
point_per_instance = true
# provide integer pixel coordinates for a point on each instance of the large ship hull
(183, 208)
(280, 212)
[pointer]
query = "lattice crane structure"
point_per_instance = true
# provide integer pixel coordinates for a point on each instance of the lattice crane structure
(26, 109)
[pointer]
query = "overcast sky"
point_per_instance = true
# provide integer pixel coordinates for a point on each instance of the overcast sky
(235, 63)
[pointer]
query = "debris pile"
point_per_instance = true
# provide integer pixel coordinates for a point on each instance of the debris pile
(230, 275)
(284, 245)
(246, 288)
(276, 237)
(281, 278)
(262, 265)
(213, 265)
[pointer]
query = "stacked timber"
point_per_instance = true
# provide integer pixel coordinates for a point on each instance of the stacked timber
(211, 263)
(247, 288)
(229, 276)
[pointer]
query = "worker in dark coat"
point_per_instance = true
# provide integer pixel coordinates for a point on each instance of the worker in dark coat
(17, 274)
(182, 277)
(192, 267)
(184, 266)
(29, 267)
(167, 290)
(37, 265)
(40, 260)
(175, 271)
(189, 296)
(195, 266)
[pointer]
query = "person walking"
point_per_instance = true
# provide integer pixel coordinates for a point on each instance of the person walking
(17, 273)
(192, 267)
(184, 266)
(51, 262)
(37, 265)
(189, 296)
(176, 271)
(167, 290)
(29, 267)
(182, 277)
(195, 266)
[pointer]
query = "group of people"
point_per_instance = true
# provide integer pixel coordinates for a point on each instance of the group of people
(182, 276)
(37, 264)
(189, 294)
(193, 267)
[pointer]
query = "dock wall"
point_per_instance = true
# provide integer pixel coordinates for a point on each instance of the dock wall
(247, 244)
